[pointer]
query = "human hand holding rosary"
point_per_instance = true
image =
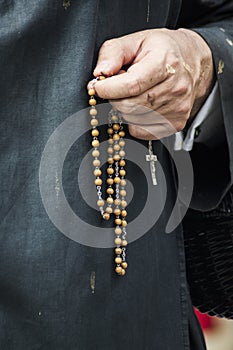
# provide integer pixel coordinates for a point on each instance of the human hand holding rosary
(163, 86)
(169, 74)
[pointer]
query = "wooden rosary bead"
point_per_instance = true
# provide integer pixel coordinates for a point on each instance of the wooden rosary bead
(98, 182)
(117, 202)
(110, 171)
(124, 223)
(91, 92)
(123, 182)
(97, 172)
(110, 200)
(110, 181)
(95, 133)
(109, 210)
(116, 137)
(100, 203)
(118, 269)
(122, 162)
(110, 190)
(96, 162)
(118, 231)
(110, 131)
(94, 122)
(106, 216)
(123, 193)
(123, 272)
(116, 157)
(95, 153)
(110, 160)
(116, 127)
(118, 260)
(117, 180)
(124, 265)
(122, 172)
(121, 133)
(118, 251)
(124, 243)
(117, 241)
(124, 203)
(117, 212)
(118, 222)
(95, 143)
(123, 213)
(93, 112)
(92, 102)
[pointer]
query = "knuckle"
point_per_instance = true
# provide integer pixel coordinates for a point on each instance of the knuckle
(181, 89)
(134, 86)
(179, 125)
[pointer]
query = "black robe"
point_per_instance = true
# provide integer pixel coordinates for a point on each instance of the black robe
(54, 292)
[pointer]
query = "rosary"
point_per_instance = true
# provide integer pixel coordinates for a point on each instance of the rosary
(115, 202)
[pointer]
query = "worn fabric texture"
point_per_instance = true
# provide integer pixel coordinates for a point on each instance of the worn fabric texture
(46, 297)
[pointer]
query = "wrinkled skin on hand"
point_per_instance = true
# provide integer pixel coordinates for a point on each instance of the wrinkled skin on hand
(157, 78)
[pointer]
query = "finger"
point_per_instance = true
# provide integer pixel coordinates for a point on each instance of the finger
(153, 132)
(116, 53)
(140, 77)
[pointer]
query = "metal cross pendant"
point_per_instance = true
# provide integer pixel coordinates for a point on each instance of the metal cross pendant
(152, 158)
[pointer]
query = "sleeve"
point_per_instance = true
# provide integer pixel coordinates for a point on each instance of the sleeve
(213, 167)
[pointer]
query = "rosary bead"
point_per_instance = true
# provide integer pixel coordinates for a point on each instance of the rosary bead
(123, 272)
(110, 171)
(122, 143)
(116, 157)
(95, 153)
(110, 181)
(116, 127)
(123, 182)
(121, 133)
(117, 180)
(116, 147)
(118, 260)
(94, 122)
(98, 182)
(122, 153)
(92, 102)
(97, 172)
(124, 265)
(110, 141)
(96, 162)
(115, 118)
(118, 269)
(117, 202)
(118, 222)
(123, 213)
(109, 210)
(122, 162)
(110, 131)
(118, 251)
(93, 111)
(95, 133)
(116, 137)
(95, 143)
(122, 172)
(124, 203)
(110, 190)
(118, 231)
(101, 77)
(117, 212)
(100, 203)
(91, 92)
(110, 160)
(123, 193)
(117, 241)
(106, 216)
(110, 150)
(124, 223)
(124, 243)
(109, 200)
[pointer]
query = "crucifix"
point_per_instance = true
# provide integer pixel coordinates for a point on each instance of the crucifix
(152, 158)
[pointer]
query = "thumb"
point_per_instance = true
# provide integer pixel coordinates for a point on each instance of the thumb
(116, 53)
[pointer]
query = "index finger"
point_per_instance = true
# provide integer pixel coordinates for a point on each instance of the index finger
(140, 77)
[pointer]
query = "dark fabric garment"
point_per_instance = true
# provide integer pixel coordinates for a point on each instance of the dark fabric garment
(46, 300)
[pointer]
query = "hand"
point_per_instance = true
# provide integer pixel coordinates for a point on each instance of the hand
(157, 78)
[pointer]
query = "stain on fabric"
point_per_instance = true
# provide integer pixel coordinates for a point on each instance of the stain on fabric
(220, 66)
(92, 282)
(66, 4)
